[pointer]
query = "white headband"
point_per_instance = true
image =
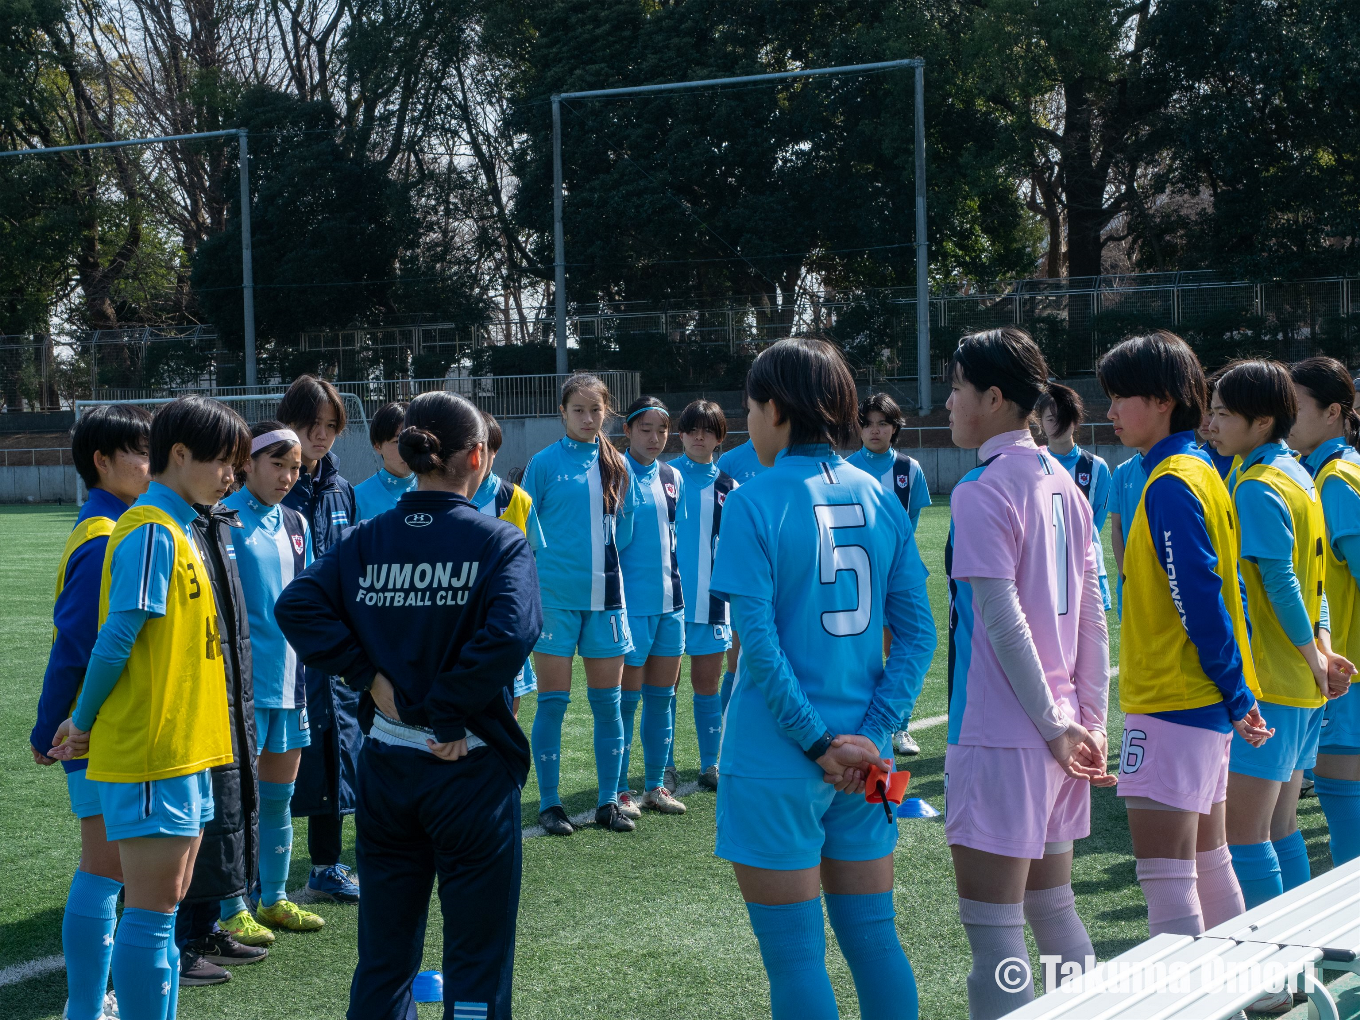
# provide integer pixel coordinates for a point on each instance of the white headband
(270, 438)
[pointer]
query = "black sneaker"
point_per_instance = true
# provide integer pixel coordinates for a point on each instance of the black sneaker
(555, 822)
(220, 948)
(708, 778)
(609, 817)
(194, 970)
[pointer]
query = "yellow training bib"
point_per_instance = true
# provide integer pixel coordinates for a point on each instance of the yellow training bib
(167, 715)
(1343, 597)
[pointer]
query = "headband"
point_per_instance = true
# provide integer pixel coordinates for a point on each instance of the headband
(270, 438)
(643, 410)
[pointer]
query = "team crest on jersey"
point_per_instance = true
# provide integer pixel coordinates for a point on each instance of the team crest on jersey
(902, 481)
(1084, 478)
(720, 497)
(297, 544)
(670, 489)
(419, 520)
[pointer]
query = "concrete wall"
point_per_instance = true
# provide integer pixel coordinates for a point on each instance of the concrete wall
(38, 484)
(522, 438)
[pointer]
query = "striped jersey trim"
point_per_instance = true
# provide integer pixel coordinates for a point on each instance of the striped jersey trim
(469, 1011)
(828, 474)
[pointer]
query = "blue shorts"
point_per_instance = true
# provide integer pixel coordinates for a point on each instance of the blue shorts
(161, 807)
(84, 795)
(281, 729)
(707, 638)
(525, 680)
(1341, 724)
(1294, 746)
(662, 634)
(791, 824)
(598, 634)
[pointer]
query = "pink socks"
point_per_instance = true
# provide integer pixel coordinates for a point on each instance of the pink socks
(1220, 897)
(1058, 931)
(1173, 903)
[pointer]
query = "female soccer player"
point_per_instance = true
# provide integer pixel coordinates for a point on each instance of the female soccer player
(585, 500)
(1029, 666)
(742, 464)
(1281, 536)
(880, 420)
(431, 612)
(708, 635)
(1326, 432)
(323, 791)
(656, 605)
(1126, 492)
(814, 558)
(274, 548)
(153, 711)
(381, 491)
(1060, 411)
(109, 447)
(1186, 678)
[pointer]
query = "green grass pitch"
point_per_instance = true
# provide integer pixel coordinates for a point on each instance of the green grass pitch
(648, 925)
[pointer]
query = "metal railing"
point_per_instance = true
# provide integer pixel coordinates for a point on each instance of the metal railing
(36, 456)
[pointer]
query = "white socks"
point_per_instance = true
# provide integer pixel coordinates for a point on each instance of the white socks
(1058, 931)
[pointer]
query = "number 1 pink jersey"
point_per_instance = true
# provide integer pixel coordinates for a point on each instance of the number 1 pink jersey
(1018, 516)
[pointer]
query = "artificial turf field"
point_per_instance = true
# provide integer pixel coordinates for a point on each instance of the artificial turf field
(646, 925)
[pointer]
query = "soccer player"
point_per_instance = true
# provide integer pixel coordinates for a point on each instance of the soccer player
(152, 712)
(1126, 492)
(742, 464)
(323, 791)
(109, 447)
(381, 491)
(1028, 673)
(431, 610)
(880, 420)
(274, 548)
(1281, 537)
(1060, 411)
(708, 634)
(814, 558)
(656, 606)
(1325, 432)
(584, 496)
(500, 497)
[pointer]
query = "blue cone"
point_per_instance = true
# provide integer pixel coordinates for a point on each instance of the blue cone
(428, 986)
(915, 807)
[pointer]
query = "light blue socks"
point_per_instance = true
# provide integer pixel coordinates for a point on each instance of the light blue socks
(1292, 853)
(227, 909)
(657, 732)
(708, 725)
(546, 738)
(276, 841)
(793, 946)
(146, 965)
(628, 705)
(1340, 800)
(868, 939)
(604, 706)
(87, 942)
(725, 691)
(670, 755)
(1258, 872)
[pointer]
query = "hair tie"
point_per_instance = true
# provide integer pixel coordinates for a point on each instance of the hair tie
(270, 438)
(643, 410)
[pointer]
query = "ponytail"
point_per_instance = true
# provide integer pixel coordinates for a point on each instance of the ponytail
(1328, 381)
(613, 471)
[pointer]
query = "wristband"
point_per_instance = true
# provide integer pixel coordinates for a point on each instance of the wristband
(820, 745)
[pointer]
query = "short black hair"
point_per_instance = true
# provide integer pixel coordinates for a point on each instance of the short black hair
(703, 414)
(884, 405)
(1065, 403)
(301, 405)
(386, 422)
(494, 435)
(1160, 365)
(107, 429)
(812, 387)
(1007, 358)
(209, 429)
(1259, 389)
(439, 424)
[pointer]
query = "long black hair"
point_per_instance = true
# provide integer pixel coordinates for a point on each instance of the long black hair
(613, 471)
(1007, 358)
(438, 426)
(1329, 383)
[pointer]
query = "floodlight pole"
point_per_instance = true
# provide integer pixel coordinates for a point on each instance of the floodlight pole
(922, 281)
(247, 276)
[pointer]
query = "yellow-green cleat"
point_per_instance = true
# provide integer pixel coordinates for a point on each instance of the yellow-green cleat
(246, 930)
(289, 916)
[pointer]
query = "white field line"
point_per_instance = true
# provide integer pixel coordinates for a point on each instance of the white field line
(33, 968)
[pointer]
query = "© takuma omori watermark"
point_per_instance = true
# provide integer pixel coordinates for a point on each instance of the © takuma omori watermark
(1207, 974)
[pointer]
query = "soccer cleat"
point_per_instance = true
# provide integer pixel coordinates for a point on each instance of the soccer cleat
(289, 916)
(220, 948)
(1273, 1002)
(246, 930)
(905, 744)
(554, 821)
(608, 816)
(708, 778)
(334, 883)
(1306, 788)
(195, 970)
(628, 806)
(670, 779)
(661, 801)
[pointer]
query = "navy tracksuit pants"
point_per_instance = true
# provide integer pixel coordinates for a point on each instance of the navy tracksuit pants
(420, 817)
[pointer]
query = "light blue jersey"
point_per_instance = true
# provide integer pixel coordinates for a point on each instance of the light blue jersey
(380, 492)
(819, 548)
(273, 548)
(741, 463)
(578, 567)
(494, 495)
(705, 492)
(651, 570)
(897, 473)
(1126, 490)
(1093, 478)
(139, 577)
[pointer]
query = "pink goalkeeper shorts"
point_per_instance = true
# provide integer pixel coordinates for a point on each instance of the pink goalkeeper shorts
(1011, 800)
(1183, 767)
